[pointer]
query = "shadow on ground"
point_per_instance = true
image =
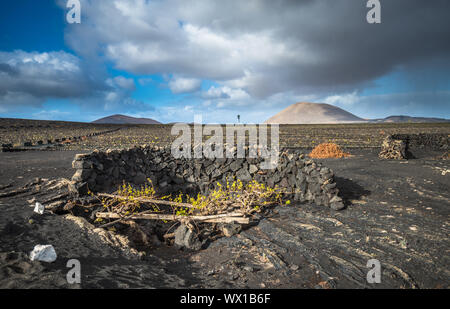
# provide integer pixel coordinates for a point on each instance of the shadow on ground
(350, 190)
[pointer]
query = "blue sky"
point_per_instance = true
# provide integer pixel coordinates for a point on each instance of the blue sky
(172, 59)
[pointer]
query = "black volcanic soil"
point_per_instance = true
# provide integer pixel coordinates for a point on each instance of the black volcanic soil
(397, 212)
(18, 168)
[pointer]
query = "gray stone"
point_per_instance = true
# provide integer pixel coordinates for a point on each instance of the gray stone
(81, 156)
(243, 175)
(253, 169)
(99, 166)
(294, 267)
(140, 179)
(115, 172)
(230, 229)
(284, 183)
(291, 179)
(217, 173)
(314, 188)
(82, 175)
(85, 164)
(235, 165)
(185, 238)
(178, 179)
(78, 188)
(336, 203)
(163, 184)
(209, 170)
(190, 179)
(249, 269)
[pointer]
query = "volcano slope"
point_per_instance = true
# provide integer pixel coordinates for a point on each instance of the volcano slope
(397, 212)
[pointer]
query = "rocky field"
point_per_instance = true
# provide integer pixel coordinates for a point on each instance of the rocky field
(19, 132)
(396, 211)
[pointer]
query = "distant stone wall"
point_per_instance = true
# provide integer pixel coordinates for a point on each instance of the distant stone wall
(434, 141)
(49, 142)
(393, 149)
(399, 146)
(104, 171)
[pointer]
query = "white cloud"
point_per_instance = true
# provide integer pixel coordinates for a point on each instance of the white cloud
(125, 83)
(214, 93)
(343, 99)
(184, 85)
(111, 96)
(51, 115)
(186, 40)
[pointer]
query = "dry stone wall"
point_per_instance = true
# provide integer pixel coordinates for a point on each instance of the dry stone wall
(399, 146)
(435, 141)
(393, 149)
(304, 179)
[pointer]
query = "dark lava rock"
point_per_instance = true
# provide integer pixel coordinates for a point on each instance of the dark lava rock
(185, 238)
(230, 229)
(139, 179)
(336, 203)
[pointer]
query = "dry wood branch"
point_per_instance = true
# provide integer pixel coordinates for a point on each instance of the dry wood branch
(221, 218)
(55, 198)
(14, 192)
(148, 200)
(5, 186)
(169, 235)
(121, 219)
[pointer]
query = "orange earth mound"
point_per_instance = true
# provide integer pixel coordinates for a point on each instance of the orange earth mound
(328, 150)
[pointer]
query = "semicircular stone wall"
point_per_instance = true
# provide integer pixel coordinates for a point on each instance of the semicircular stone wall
(305, 179)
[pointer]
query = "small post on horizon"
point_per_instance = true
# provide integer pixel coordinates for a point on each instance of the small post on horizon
(239, 118)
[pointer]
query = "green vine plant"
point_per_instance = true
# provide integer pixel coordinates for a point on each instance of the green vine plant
(234, 196)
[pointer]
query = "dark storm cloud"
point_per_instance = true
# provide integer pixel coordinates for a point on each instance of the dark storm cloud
(6, 68)
(353, 51)
(30, 78)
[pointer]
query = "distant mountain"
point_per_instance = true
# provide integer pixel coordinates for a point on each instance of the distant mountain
(316, 113)
(122, 119)
(311, 113)
(402, 118)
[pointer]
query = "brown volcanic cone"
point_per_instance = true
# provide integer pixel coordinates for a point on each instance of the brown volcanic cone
(310, 113)
(122, 119)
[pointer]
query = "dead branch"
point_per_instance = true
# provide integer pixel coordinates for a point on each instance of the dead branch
(14, 192)
(5, 186)
(148, 200)
(169, 235)
(121, 219)
(221, 218)
(55, 198)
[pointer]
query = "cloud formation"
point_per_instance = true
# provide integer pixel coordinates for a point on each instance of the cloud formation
(266, 47)
(30, 78)
(261, 56)
(184, 85)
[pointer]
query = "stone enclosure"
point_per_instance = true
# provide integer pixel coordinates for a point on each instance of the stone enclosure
(303, 179)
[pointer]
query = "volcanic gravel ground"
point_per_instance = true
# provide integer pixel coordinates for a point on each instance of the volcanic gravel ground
(397, 212)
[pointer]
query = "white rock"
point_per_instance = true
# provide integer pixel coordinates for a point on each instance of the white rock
(39, 208)
(44, 253)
